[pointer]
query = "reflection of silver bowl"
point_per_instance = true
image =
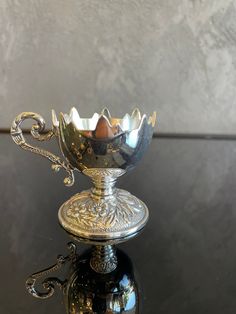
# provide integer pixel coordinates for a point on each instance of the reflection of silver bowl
(103, 141)
(85, 291)
(102, 148)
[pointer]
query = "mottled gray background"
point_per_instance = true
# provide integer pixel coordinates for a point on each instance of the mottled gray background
(177, 57)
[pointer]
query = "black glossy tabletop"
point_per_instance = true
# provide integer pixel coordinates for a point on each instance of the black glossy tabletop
(184, 260)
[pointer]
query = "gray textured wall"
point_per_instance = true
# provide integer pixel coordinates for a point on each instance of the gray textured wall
(177, 57)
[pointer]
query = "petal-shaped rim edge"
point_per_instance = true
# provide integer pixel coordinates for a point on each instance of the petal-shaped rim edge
(127, 124)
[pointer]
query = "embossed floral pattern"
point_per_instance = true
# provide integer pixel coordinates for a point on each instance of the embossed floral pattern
(113, 213)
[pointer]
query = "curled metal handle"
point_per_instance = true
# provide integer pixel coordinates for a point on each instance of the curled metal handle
(49, 283)
(18, 138)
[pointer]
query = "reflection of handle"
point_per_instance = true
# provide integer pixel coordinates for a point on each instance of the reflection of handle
(19, 139)
(50, 282)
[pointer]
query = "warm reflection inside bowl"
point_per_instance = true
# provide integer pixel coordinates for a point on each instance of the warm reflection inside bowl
(103, 141)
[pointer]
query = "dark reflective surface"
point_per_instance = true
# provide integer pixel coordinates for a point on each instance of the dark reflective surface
(89, 292)
(85, 291)
(185, 257)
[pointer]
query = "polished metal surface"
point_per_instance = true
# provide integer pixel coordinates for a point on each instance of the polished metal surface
(102, 148)
(99, 142)
(19, 139)
(118, 216)
(103, 141)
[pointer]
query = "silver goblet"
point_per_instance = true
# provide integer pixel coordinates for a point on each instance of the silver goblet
(103, 148)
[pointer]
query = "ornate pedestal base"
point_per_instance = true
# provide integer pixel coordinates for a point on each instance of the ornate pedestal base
(102, 216)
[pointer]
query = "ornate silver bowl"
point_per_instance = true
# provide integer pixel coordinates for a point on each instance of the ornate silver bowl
(103, 148)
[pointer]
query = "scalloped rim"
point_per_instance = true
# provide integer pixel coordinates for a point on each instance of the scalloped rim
(127, 124)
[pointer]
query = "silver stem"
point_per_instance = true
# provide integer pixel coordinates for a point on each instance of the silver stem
(103, 186)
(103, 259)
